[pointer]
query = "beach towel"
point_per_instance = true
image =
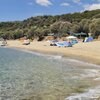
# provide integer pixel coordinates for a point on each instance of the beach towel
(64, 44)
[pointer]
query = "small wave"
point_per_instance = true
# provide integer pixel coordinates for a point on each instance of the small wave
(55, 57)
(97, 79)
(39, 54)
(83, 62)
(91, 73)
(29, 51)
(58, 57)
(92, 94)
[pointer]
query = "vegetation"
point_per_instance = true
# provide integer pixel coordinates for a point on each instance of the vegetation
(60, 25)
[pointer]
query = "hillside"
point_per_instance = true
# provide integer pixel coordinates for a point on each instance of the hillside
(40, 26)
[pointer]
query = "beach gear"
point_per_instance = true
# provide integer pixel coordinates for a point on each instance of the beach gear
(53, 42)
(88, 39)
(80, 35)
(26, 42)
(71, 37)
(67, 44)
(74, 42)
(64, 44)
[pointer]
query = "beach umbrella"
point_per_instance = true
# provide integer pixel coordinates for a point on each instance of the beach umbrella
(71, 37)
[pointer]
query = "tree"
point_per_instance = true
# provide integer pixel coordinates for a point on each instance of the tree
(84, 25)
(75, 28)
(61, 28)
(94, 27)
(60, 25)
(39, 33)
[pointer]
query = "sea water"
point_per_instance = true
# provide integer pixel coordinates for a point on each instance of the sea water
(32, 76)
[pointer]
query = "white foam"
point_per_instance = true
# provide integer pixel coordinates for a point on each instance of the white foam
(40, 54)
(55, 57)
(88, 73)
(91, 73)
(97, 79)
(59, 57)
(92, 94)
(82, 62)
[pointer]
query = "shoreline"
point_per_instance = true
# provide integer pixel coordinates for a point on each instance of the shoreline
(84, 94)
(69, 52)
(55, 55)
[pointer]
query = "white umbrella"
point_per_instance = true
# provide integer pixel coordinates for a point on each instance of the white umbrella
(71, 37)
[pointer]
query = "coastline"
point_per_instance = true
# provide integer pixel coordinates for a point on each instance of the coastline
(87, 52)
(92, 92)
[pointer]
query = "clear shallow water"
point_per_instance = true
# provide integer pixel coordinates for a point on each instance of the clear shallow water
(30, 76)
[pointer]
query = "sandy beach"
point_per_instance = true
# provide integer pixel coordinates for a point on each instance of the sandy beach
(88, 52)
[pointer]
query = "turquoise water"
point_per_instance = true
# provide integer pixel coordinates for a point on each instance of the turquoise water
(31, 76)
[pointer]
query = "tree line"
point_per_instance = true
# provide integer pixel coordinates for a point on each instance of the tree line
(61, 25)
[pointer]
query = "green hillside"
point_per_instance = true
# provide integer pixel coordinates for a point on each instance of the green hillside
(40, 26)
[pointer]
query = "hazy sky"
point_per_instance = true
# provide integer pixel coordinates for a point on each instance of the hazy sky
(11, 10)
